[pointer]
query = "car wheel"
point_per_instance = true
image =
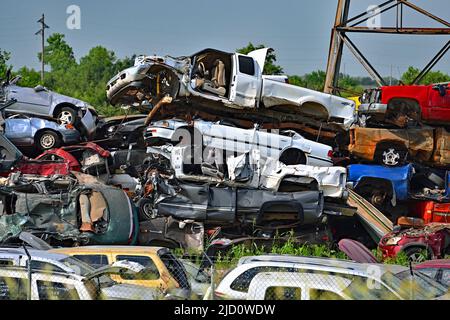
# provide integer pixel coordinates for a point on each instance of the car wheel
(66, 116)
(417, 254)
(145, 209)
(392, 156)
(48, 140)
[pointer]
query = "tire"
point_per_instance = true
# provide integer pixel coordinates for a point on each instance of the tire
(66, 115)
(47, 140)
(392, 156)
(145, 205)
(417, 254)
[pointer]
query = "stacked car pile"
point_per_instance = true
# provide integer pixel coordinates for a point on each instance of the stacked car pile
(225, 153)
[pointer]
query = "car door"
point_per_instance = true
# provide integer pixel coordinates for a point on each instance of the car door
(19, 130)
(246, 82)
(29, 100)
(440, 104)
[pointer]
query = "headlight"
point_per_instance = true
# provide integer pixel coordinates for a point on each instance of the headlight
(111, 129)
(393, 241)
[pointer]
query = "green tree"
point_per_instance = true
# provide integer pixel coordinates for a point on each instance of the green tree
(315, 80)
(4, 57)
(270, 67)
(58, 54)
(29, 77)
(432, 76)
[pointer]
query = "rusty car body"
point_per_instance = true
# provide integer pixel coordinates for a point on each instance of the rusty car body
(392, 147)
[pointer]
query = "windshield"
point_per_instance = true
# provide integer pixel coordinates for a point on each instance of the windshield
(83, 269)
(417, 287)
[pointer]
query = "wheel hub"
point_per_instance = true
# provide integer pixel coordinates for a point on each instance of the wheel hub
(65, 117)
(47, 141)
(391, 157)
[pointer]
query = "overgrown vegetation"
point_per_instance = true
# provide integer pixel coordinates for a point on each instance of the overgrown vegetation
(86, 79)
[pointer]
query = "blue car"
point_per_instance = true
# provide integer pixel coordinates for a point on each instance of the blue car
(25, 131)
(385, 186)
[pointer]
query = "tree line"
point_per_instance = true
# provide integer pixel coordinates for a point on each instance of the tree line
(86, 79)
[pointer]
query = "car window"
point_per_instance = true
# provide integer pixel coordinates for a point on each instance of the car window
(246, 65)
(45, 266)
(150, 273)
(242, 282)
(418, 287)
(283, 293)
(445, 278)
(175, 268)
(362, 288)
(13, 288)
(429, 272)
(94, 260)
(48, 290)
(319, 294)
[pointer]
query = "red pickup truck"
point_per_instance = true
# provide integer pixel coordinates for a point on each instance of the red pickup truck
(397, 104)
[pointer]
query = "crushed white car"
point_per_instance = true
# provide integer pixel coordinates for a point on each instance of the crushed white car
(213, 79)
(287, 146)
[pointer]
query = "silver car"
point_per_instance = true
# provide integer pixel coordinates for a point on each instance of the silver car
(25, 131)
(43, 102)
(60, 277)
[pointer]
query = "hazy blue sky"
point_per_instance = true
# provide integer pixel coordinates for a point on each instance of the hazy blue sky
(299, 30)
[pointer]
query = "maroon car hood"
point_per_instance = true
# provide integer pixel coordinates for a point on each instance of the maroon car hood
(357, 251)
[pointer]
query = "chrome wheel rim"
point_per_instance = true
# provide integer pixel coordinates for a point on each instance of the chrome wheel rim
(391, 157)
(65, 117)
(47, 141)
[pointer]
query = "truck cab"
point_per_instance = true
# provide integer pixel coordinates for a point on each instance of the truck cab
(398, 104)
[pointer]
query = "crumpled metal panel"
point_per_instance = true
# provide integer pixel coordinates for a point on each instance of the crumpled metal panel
(331, 180)
(310, 102)
(33, 214)
(441, 154)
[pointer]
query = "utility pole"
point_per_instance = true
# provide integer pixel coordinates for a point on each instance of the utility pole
(42, 32)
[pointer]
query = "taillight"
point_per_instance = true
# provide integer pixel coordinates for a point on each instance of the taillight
(70, 126)
(330, 154)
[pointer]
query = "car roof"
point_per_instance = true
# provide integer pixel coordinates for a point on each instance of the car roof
(33, 253)
(320, 262)
(438, 263)
(100, 249)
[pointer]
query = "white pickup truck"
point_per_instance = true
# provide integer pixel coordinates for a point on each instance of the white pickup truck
(215, 79)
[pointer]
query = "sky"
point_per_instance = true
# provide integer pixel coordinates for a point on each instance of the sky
(298, 30)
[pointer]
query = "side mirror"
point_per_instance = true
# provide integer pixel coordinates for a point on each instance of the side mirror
(39, 88)
(441, 88)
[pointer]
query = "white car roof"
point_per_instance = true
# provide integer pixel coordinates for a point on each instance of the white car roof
(317, 263)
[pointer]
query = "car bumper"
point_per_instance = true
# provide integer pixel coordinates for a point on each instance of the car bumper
(389, 251)
(372, 108)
